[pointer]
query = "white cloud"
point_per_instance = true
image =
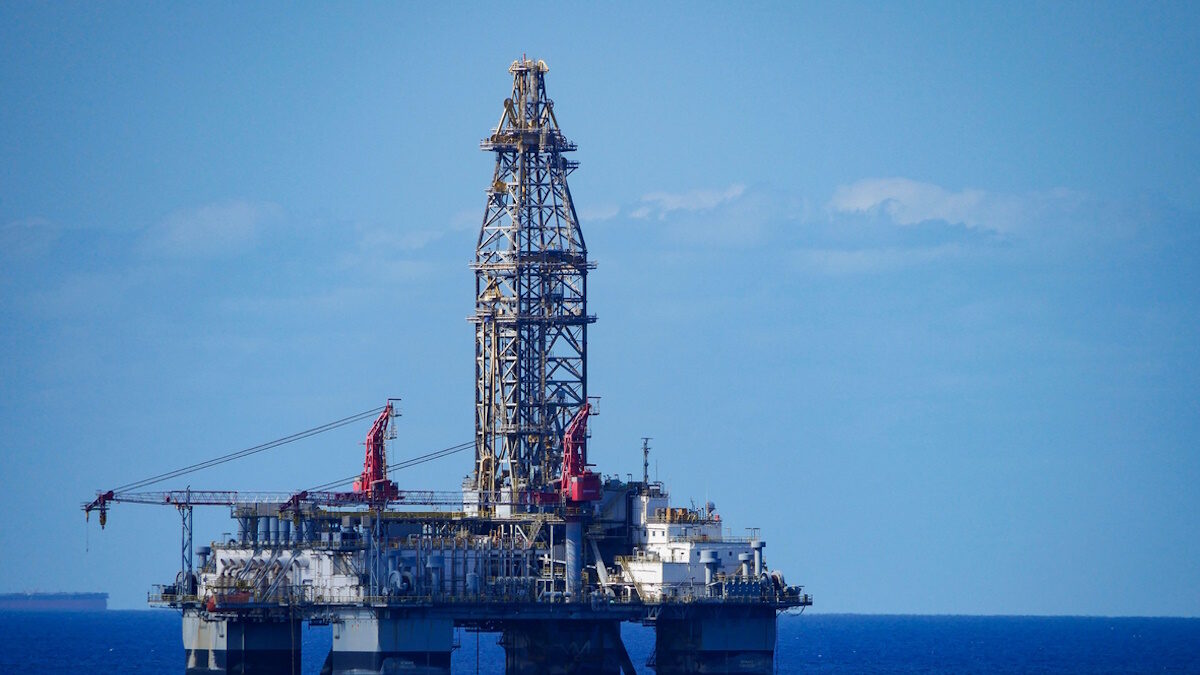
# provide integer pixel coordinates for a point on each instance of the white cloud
(908, 202)
(214, 229)
(660, 204)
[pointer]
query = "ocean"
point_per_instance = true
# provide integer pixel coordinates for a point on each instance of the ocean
(149, 642)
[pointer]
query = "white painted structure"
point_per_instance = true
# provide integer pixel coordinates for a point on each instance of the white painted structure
(666, 561)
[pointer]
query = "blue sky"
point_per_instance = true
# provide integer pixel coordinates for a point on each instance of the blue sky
(913, 289)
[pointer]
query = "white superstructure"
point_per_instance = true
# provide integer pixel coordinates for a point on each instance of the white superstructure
(679, 552)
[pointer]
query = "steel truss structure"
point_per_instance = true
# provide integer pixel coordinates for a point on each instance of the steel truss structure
(531, 302)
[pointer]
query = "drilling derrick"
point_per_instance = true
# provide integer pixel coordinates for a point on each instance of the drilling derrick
(530, 303)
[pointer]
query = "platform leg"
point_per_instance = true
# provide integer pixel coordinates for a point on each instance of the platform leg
(563, 647)
(229, 646)
(737, 641)
(375, 642)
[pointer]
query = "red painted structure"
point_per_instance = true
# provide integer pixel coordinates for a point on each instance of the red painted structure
(374, 483)
(578, 483)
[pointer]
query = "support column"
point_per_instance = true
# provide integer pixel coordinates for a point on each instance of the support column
(371, 642)
(734, 640)
(573, 553)
(564, 647)
(228, 646)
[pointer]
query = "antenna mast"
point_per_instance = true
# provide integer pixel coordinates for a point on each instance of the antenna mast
(646, 460)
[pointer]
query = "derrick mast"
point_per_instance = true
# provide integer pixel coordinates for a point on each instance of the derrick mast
(530, 302)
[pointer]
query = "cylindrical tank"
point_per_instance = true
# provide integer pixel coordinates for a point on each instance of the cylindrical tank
(434, 565)
(745, 559)
(574, 557)
(708, 558)
(472, 583)
(758, 546)
(285, 530)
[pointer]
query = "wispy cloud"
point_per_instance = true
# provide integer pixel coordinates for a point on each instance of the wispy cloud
(908, 202)
(598, 213)
(217, 229)
(872, 226)
(27, 238)
(937, 224)
(736, 216)
(662, 204)
(388, 254)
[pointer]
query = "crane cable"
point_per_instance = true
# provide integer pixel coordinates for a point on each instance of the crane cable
(246, 452)
(420, 459)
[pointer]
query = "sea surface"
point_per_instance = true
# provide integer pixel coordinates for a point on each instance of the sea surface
(149, 642)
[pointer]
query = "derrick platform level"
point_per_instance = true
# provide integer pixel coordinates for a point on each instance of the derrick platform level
(536, 546)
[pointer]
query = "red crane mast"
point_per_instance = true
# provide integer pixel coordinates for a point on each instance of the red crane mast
(374, 483)
(578, 483)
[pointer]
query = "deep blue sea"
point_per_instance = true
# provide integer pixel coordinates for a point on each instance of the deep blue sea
(149, 642)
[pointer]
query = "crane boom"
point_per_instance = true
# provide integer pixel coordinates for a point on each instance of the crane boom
(286, 500)
(578, 483)
(374, 483)
(371, 487)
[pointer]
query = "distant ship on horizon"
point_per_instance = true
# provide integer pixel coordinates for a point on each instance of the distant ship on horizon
(54, 602)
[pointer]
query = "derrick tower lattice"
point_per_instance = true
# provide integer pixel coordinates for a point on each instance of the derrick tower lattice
(531, 301)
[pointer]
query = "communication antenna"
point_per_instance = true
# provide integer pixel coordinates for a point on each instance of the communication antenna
(646, 459)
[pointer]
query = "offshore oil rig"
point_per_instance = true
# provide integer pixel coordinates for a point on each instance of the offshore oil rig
(536, 546)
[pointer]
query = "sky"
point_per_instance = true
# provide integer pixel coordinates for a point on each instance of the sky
(912, 288)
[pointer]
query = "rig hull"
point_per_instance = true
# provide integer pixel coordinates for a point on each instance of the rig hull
(396, 584)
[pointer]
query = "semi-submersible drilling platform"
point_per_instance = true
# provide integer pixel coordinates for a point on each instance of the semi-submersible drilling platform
(537, 546)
